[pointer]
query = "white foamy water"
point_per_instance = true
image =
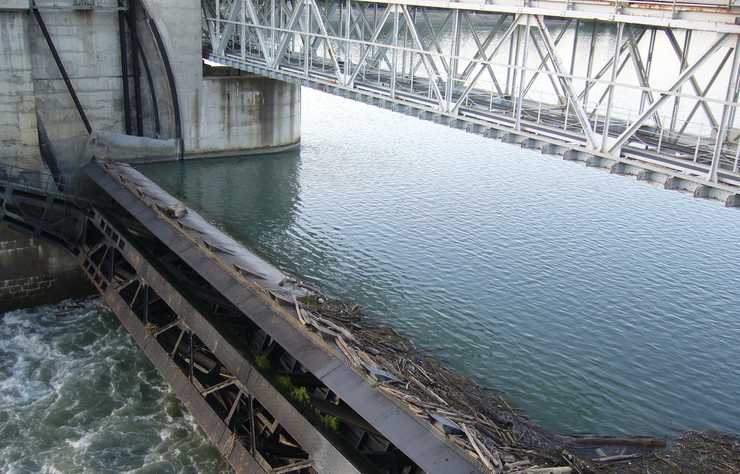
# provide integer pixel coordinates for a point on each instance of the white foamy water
(77, 396)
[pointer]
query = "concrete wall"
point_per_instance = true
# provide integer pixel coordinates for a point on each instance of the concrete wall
(32, 92)
(18, 133)
(34, 272)
(87, 42)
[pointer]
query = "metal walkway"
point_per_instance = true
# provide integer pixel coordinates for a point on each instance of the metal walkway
(213, 318)
(575, 78)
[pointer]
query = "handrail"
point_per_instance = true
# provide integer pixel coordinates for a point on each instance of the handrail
(39, 182)
(29, 178)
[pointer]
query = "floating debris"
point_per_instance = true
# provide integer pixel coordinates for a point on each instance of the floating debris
(446, 425)
(247, 272)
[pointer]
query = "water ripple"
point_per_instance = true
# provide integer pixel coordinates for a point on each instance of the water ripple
(597, 303)
(76, 395)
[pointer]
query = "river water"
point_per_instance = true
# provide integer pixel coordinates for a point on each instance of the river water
(596, 303)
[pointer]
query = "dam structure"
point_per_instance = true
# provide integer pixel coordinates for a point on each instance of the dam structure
(91, 86)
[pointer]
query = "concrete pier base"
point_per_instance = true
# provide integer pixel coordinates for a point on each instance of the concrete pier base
(531, 144)
(732, 200)
(575, 155)
(512, 138)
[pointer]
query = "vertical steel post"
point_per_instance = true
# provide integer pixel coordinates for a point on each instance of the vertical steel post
(733, 112)
(243, 32)
(514, 68)
(306, 39)
(190, 357)
(590, 66)
(696, 149)
(539, 110)
(347, 43)
(610, 100)
(362, 46)
(252, 433)
(677, 97)
(394, 55)
(648, 66)
(405, 52)
(273, 24)
(724, 124)
(412, 69)
(454, 54)
(575, 46)
(507, 89)
(522, 76)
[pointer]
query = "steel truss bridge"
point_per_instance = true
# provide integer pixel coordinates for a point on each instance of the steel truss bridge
(647, 88)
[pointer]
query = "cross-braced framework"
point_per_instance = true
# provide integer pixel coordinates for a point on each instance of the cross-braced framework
(654, 82)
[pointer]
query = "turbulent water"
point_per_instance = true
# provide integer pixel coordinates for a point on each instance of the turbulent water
(596, 303)
(76, 395)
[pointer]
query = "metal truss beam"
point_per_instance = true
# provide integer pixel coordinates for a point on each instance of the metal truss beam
(687, 74)
(701, 15)
(373, 39)
(727, 112)
(251, 10)
(482, 67)
(450, 60)
(481, 52)
(566, 83)
(681, 54)
(429, 66)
